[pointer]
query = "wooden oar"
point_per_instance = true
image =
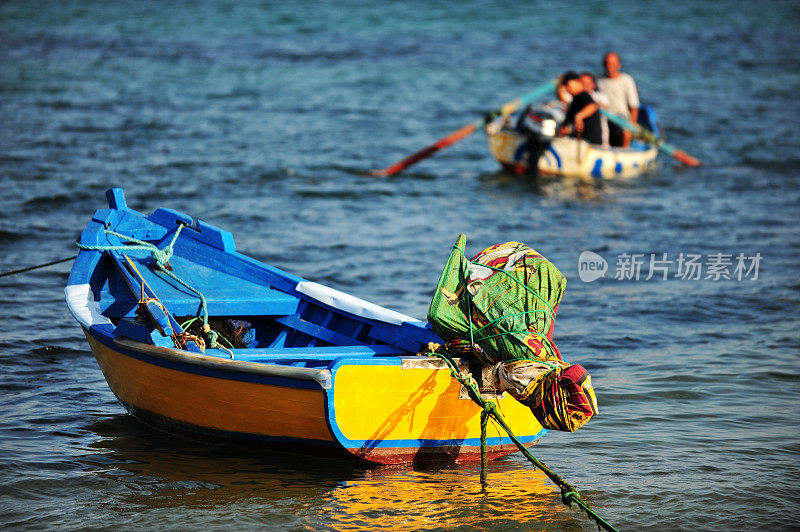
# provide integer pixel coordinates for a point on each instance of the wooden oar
(452, 138)
(651, 138)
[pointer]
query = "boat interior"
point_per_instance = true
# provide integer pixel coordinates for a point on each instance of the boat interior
(269, 324)
(276, 317)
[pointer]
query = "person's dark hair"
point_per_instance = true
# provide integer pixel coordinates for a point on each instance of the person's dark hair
(568, 75)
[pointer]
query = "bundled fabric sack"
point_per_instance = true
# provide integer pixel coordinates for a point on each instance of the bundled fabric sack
(559, 394)
(504, 300)
(500, 308)
(520, 377)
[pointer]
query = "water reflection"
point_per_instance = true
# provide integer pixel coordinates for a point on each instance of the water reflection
(514, 496)
(558, 188)
(157, 471)
(163, 469)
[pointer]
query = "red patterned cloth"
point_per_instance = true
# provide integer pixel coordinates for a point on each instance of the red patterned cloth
(564, 399)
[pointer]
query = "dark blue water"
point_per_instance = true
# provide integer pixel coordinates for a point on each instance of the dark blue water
(262, 118)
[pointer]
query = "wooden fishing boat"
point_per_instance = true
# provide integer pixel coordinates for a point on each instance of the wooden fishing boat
(568, 156)
(316, 370)
(527, 143)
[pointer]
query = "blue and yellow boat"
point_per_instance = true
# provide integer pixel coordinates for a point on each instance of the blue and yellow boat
(274, 358)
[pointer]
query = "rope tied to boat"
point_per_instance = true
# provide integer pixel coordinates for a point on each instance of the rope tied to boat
(569, 494)
(162, 258)
(180, 340)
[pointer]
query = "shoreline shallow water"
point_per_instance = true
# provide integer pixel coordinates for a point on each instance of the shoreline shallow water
(264, 119)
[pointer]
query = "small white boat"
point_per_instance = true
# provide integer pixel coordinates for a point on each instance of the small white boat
(568, 156)
(533, 147)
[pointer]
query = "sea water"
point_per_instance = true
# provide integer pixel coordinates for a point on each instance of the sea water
(264, 117)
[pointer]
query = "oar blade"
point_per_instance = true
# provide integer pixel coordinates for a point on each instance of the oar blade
(462, 133)
(444, 142)
(685, 158)
(650, 138)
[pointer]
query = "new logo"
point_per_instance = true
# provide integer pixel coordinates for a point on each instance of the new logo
(591, 266)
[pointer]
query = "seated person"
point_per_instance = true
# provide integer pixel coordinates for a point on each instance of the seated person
(590, 84)
(583, 115)
(562, 94)
(623, 97)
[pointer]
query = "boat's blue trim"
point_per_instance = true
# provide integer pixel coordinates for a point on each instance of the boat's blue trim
(555, 154)
(465, 442)
(597, 168)
(330, 352)
(520, 152)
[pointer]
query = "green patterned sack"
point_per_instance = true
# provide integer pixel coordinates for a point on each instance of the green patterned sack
(504, 301)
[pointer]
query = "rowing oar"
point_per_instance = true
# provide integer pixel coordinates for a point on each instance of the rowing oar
(464, 132)
(650, 138)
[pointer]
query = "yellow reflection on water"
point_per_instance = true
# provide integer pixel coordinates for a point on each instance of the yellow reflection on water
(385, 499)
(217, 485)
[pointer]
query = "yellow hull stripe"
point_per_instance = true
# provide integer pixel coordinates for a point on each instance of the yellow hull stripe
(374, 402)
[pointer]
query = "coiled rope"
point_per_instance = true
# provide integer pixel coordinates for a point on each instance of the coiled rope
(161, 257)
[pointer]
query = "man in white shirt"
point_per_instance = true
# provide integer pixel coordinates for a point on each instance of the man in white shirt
(623, 97)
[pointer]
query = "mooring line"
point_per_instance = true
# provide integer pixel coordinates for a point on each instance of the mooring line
(569, 493)
(29, 268)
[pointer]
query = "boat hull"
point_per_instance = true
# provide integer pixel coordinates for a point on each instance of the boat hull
(211, 402)
(569, 157)
(386, 411)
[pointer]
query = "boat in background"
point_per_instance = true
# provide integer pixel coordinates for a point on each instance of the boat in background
(537, 149)
(307, 368)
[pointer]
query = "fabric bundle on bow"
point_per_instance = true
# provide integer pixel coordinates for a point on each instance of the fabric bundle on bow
(500, 308)
(559, 394)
